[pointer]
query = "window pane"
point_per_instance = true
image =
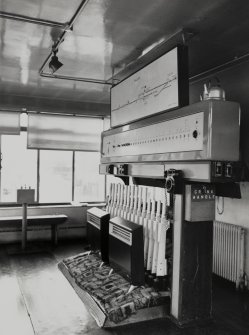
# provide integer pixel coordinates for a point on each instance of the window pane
(19, 166)
(10, 123)
(55, 176)
(89, 184)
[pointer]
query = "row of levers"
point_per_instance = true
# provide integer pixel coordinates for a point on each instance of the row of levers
(151, 209)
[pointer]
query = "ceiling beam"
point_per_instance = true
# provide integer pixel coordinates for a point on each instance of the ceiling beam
(33, 20)
(85, 80)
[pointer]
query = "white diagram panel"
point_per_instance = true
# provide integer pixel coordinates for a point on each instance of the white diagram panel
(177, 135)
(151, 90)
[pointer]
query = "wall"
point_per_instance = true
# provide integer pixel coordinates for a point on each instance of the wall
(236, 211)
(74, 227)
(235, 81)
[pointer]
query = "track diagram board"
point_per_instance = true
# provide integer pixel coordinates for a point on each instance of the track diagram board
(151, 90)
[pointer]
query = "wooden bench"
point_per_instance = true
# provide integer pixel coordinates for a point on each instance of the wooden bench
(52, 220)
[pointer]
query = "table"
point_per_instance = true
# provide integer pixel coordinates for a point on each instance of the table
(52, 220)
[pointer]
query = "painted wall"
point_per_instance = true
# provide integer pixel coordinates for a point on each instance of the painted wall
(235, 81)
(236, 211)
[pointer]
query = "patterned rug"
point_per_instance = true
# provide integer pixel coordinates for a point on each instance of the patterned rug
(111, 291)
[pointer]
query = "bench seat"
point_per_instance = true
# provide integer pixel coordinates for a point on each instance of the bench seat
(52, 220)
(36, 219)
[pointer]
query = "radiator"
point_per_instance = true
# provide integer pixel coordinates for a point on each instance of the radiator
(228, 251)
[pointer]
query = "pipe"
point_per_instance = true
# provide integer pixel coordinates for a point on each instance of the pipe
(87, 80)
(219, 68)
(61, 38)
(15, 110)
(32, 20)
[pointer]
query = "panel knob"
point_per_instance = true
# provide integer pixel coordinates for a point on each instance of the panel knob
(195, 134)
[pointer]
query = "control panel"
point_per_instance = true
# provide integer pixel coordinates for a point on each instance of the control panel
(207, 130)
(181, 134)
(199, 202)
(204, 171)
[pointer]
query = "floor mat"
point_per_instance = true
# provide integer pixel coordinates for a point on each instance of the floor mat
(107, 295)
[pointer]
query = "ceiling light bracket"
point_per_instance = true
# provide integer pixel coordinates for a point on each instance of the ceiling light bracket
(67, 27)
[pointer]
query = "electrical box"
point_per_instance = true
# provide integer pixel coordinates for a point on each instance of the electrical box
(199, 202)
(98, 230)
(126, 249)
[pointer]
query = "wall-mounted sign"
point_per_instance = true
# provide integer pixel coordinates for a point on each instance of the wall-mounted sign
(159, 86)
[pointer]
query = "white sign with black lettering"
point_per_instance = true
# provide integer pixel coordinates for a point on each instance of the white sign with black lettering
(151, 90)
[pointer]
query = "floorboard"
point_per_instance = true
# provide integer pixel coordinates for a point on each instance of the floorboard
(51, 303)
(37, 299)
(14, 318)
(231, 307)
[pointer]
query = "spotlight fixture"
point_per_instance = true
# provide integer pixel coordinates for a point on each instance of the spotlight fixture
(54, 64)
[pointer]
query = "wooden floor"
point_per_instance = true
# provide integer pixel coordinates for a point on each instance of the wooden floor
(35, 298)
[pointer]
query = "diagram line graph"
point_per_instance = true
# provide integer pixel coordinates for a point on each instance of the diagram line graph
(151, 90)
(148, 92)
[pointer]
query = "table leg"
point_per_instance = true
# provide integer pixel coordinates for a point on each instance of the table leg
(54, 232)
(24, 226)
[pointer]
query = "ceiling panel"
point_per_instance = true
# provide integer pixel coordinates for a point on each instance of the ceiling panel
(108, 35)
(53, 10)
(83, 56)
(23, 48)
(222, 37)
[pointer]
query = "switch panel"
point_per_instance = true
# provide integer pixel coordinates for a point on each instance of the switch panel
(181, 134)
(199, 202)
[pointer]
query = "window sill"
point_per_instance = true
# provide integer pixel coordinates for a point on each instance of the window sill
(54, 204)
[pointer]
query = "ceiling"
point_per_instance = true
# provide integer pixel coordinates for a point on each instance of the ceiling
(107, 38)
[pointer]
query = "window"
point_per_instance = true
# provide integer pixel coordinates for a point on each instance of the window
(55, 176)
(89, 185)
(19, 166)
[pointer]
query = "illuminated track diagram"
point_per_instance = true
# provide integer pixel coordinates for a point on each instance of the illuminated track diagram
(147, 93)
